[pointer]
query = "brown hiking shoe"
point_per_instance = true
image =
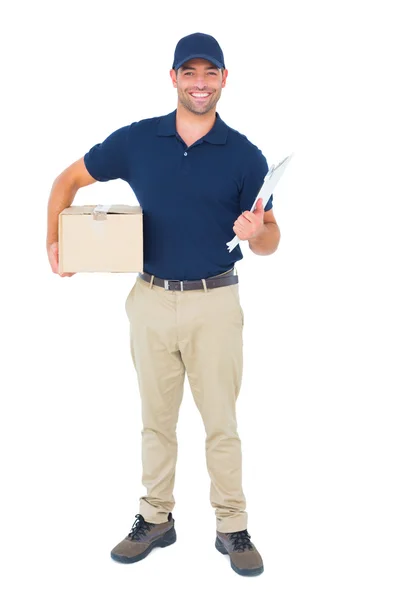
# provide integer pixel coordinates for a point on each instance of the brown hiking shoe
(142, 538)
(245, 558)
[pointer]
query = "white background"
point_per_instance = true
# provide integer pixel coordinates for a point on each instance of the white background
(318, 409)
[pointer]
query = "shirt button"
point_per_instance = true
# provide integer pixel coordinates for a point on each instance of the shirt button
(185, 154)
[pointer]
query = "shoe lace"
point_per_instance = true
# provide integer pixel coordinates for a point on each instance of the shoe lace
(241, 540)
(139, 528)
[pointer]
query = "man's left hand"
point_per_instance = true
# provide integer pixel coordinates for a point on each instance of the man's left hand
(250, 224)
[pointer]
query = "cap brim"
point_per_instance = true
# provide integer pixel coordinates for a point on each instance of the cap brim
(212, 60)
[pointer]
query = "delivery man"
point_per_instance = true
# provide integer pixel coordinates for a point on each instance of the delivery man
(196, 179)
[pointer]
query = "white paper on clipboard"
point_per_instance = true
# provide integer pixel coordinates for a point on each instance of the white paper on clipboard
(271, 179)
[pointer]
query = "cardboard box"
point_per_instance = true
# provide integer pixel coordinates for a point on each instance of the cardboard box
(101, 238)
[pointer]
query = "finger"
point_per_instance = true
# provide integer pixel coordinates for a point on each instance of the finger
(243, 219)
(259, 206)
(248, 216)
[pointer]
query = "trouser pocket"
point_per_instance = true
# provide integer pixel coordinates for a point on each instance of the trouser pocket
(129, 298)
(235, 292)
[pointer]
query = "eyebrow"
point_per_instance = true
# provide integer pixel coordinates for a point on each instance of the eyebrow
(194, 68)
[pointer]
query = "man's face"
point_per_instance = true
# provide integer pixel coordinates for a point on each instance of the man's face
(199, 84)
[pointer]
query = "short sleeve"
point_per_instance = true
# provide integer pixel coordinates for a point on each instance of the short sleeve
(109, 160)
(253, 180)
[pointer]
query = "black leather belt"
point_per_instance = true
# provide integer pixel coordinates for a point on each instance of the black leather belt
(175, 285)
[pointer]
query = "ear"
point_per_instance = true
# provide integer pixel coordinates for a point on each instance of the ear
(225, 75)
(173, 77)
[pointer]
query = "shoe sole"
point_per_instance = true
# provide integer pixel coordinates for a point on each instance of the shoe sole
(246, 572)
(166, 540)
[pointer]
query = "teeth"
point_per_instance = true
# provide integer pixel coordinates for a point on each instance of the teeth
(200, 95)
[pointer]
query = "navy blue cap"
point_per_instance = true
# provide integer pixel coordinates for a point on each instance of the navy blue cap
(198, 45)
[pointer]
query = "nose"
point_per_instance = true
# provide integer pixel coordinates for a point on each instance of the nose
(199, 81)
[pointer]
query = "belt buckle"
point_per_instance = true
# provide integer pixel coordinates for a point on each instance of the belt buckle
(167, 281)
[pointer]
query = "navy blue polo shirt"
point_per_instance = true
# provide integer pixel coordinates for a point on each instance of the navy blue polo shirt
(190, 196)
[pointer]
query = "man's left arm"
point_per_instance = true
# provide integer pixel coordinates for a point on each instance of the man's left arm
(267, 240)
(259, 228)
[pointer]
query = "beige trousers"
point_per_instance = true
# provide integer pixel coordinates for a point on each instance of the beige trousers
(198, 332)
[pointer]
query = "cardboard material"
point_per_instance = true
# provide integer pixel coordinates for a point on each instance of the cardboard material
(101, 238)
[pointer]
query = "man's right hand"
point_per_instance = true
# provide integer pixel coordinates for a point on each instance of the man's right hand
(52, 253)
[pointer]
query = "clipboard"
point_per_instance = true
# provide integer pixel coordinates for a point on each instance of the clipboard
(271, 179)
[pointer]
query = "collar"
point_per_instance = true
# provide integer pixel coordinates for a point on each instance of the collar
(217, 135)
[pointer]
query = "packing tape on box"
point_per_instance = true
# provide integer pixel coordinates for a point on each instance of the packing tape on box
(100, 211)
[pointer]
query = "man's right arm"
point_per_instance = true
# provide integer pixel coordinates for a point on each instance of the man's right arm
(62, 194)
(107, 160)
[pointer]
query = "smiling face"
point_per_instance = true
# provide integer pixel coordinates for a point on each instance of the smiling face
(199, 84)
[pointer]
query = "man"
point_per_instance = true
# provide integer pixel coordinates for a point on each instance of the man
(195, 179)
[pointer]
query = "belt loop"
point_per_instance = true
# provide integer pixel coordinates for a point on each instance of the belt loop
(204, 285)
(151, 281)
(234, 270)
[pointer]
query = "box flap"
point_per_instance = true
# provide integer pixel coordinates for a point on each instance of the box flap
(87, 209)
